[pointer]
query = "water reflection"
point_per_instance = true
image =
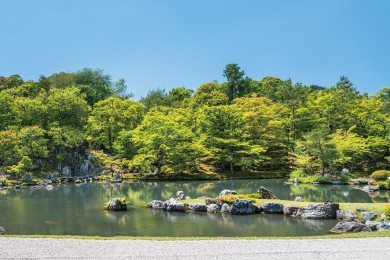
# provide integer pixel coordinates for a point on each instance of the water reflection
(78, 209)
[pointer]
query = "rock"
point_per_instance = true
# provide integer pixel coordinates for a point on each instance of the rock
(197, 207)
(173, 205)
(210, 201)
(367, 215)
(258, 209)
(383, 217)
(319, 211)
(242, 207)
(346, 215)
(225, 208)
(156, 204)
(180, 195)
(66, 171)
(370, 188)
(213, 208)
(226, 192)
(290, 210)
(273, 208)
(360, 210)
(344, 171)
(3, 231)
(337, 182)
(44, 182)
(373, 225)
(265, 193)
(296, 180)
(351, 226)
(117, 204)
(384, 226)
(27, 177)
(298, 199)
(187, 198)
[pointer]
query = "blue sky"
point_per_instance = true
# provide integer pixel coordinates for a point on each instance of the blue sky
(167, 44)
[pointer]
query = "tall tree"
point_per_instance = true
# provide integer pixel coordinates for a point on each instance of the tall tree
(237, 85)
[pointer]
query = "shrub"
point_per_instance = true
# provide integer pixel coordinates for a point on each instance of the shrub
(384, 185)
(381, 175)
(387, 210)
(298, 173)
(345, 178)
(229, 199)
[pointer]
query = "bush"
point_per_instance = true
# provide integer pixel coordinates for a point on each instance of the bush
(345, 178)
(298, 173)
(384, 185)
(381, 175)
(387, 210)
(229, 199)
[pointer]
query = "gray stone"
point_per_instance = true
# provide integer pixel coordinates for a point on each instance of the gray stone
(213, 208)
(27, 177)
(290, 210)
(367, 215)
(373, 224)
(242, 207)
(259, 209)
(319, 211)
(156, 204)
(197, 207)
(173, 205)
(225, 208)
(351, 226)
(66, 171)
(384, 226)
(226, 192)
(266, 193)
(116, 204)
(273, 208)
(180, 195)
(298, 199)
(346, 215)
(187, 198)
(344, 171)
(3, 231)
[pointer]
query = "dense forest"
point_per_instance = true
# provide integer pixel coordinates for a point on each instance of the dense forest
(241, 125)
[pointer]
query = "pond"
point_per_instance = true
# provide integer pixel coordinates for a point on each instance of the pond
(76, 209)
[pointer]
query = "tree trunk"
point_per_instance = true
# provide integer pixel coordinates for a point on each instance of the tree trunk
(231, 168)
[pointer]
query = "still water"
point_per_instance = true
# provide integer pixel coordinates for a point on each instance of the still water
(77, 210)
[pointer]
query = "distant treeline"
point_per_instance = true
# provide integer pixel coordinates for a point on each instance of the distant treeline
(238, 125)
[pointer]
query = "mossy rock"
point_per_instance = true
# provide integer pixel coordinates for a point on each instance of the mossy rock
(116, 204)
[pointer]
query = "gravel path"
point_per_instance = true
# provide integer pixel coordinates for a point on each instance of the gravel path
(48, 248)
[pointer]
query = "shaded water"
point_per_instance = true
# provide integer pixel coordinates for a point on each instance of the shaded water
(77, 210)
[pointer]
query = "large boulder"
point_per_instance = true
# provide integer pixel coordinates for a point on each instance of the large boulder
(242, 207)
(227, 192)
(174, 205)
(117, 204)
(384, 226)
(197, 207)
(3, 231)
(266, 193)
(373, 225)
(346, 215)
(180, 195)
(367, 215)
(350, 226)
(290, 210)
(225, 208)
(319, 211)
(273, 208)
(213, 208)
(155, 204)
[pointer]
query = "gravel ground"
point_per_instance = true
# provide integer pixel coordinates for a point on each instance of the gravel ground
(48, 248)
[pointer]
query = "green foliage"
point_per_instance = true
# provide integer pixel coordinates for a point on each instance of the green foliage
(387, 210)
(229, 199)
(345, 178)
(298, 173)
(24, 165)
(384, 185)
(237, 85)
(380, 175)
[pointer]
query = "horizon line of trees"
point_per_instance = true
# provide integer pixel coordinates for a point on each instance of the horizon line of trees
(238, 125)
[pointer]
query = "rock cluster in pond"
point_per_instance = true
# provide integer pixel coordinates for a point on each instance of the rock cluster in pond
(3, 231)
(117, 204)
(327, 210)
(265, 193)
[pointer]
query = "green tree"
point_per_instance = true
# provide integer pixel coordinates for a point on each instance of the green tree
(179, 96)
(210, 94)
(109, 117)
(31, 142)
(155, 97)
(237, 85)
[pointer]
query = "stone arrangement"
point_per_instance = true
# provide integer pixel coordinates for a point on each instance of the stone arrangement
(327, 210)
(116, 204)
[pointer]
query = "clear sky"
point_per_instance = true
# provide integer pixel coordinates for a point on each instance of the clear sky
(171, 43)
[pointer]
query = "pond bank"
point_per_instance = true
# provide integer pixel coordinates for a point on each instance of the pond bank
(50, 248)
